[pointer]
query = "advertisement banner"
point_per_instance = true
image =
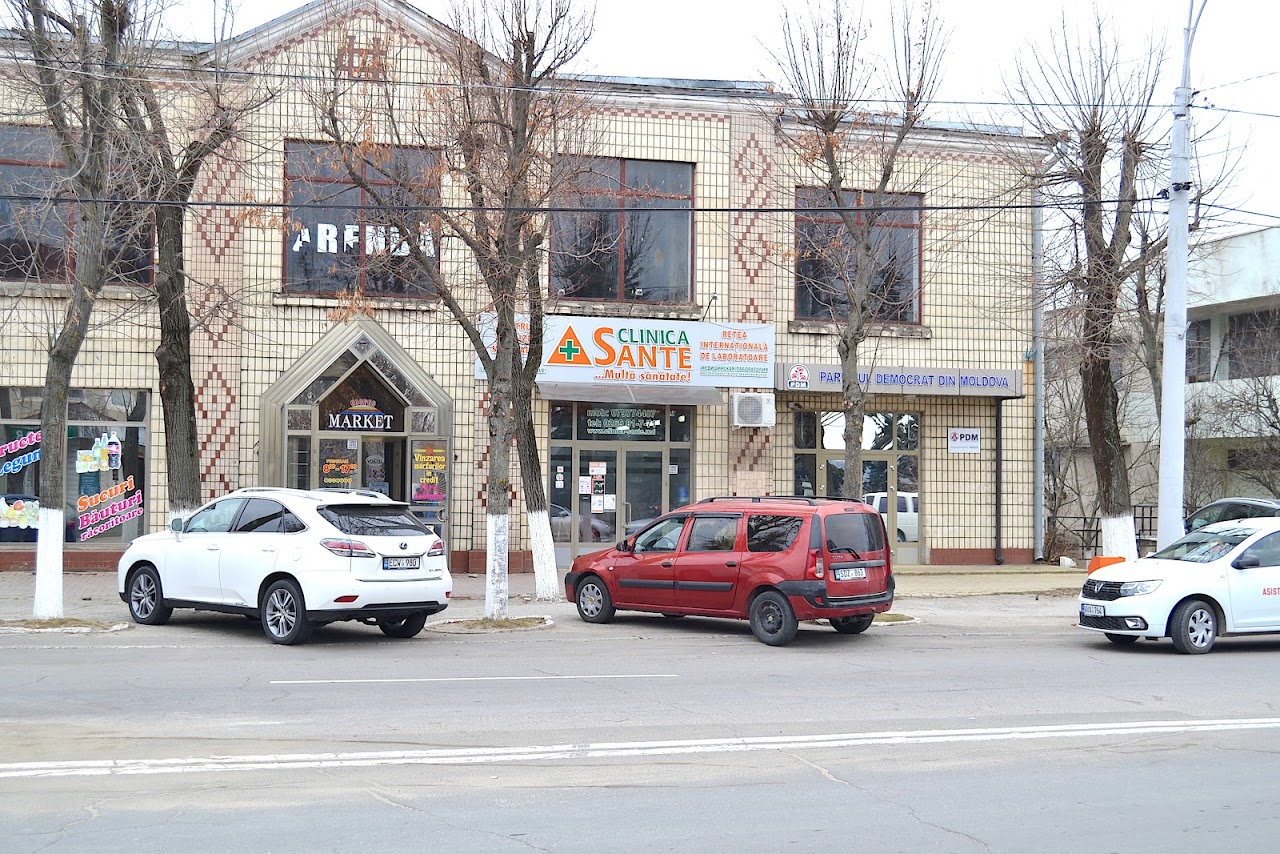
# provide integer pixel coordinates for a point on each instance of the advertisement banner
(616, 350)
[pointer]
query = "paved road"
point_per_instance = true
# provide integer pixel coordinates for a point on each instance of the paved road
(990, 724)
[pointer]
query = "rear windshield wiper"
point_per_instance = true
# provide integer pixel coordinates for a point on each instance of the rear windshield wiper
(832, 547)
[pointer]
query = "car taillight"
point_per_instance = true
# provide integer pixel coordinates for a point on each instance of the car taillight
(347, 548)
(437, 550)
(816, 567)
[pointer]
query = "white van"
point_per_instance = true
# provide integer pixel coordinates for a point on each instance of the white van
(908, 513)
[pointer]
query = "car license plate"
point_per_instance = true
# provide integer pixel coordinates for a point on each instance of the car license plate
(401, 562)
(1093, 610)
(849, 573)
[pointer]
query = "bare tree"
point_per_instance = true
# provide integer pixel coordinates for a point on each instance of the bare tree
(73, 50)
(1098, 107)
(170, 141)
(850, 261)
(496, 126)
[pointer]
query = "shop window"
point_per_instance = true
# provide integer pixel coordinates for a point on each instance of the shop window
(37, 234)
(105, 465)
(341, 241)
(1252, 344)
(826, 265)
(626, 233)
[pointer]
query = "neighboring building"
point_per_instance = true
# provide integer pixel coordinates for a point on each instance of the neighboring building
(750, 405)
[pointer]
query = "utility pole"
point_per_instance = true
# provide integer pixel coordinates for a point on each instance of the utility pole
(1173, 375)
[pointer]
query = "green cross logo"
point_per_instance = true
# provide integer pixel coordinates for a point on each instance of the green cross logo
(569, 350)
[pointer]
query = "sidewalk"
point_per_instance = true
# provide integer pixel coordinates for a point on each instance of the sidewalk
(92, 595)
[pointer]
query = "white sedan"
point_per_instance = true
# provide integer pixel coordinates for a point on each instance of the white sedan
(292, 559)
(1223, 579)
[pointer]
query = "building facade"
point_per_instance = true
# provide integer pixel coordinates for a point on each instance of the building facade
(702, 363)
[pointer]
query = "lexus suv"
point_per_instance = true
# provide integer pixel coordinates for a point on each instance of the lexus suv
(292, 559)
(773, 561)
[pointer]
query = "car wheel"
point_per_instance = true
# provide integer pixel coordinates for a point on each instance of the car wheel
(772, 620)
(1194, 627)
(284, 613)
(405, 627)
(146, 598)
(852, 625)
(594, 603)
(1122, 640)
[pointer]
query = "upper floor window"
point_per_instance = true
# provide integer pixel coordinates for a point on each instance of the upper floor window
(340, 240)
(37, 220)
(1252, 344)
(1199, 352)
(826, 258)
(628, 232)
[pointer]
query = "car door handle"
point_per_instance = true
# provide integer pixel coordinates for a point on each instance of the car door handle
(268, 548)
(730, 563)
(213, 547)
(668, 563)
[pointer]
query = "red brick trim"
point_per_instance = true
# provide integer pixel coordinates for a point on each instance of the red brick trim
(977, 557)
(73, 560)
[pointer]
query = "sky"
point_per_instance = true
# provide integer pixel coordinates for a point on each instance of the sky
(1234, 63)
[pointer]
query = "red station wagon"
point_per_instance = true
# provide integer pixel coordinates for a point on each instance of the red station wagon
(771, 560)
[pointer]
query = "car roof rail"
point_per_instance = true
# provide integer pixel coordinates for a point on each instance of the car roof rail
(756, 499)
(816, 498)
(367, 493)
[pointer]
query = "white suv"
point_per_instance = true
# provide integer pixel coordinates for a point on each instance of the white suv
(293, 559)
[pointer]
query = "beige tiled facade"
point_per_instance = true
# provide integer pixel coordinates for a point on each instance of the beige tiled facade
(976, 270)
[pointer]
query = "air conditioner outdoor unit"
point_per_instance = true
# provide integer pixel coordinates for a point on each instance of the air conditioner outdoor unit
(753, 409)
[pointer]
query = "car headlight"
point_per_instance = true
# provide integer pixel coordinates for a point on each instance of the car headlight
(1138, 588)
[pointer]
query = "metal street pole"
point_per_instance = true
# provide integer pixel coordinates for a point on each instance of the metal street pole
(1174, 368)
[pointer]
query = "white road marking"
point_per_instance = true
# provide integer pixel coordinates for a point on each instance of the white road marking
(490, 755)
(471, 679)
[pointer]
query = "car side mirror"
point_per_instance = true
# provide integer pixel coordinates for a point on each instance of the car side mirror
(623, 546)
(175, 525)
(1247, 561)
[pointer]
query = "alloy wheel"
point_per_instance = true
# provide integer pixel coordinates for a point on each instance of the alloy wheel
(1200, 628)
(142, 595)
(282, 613)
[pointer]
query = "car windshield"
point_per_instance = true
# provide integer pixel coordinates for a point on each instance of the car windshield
(1203, 546)
(373, 520)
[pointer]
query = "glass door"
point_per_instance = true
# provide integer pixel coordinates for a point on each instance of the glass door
(599, 495)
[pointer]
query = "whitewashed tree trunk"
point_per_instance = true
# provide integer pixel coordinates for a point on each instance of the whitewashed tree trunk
(546, 580)
(497, 584)
(1119, 537)
(48, 598)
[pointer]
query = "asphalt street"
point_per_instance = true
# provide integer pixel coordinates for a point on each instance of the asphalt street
(988, 723)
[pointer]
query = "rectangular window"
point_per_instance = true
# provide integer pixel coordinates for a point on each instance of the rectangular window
(826, 265)
(1199, 354)
(772, 533)
(341, 240)
(626, 234)
(1252, 344)
(37, 216)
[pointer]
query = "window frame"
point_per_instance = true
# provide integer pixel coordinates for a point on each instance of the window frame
(54, 167)
(624, 194)
(807, 198)
(312, 175)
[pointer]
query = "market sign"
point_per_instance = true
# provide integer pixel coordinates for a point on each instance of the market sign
(961, 382)
(618, 351)
(362, 414)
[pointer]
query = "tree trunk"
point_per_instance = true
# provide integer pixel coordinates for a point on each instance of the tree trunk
(173, 357)
(546, 581)
(52, 490)
(853, 402)
(1101, 403)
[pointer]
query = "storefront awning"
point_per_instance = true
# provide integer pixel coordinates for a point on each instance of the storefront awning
(632, 393)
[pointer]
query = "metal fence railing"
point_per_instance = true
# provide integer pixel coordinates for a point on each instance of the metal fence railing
(1079, 536)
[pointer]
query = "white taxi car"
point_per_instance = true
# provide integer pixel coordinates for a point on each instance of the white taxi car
(1223, 579)
(293, 559)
